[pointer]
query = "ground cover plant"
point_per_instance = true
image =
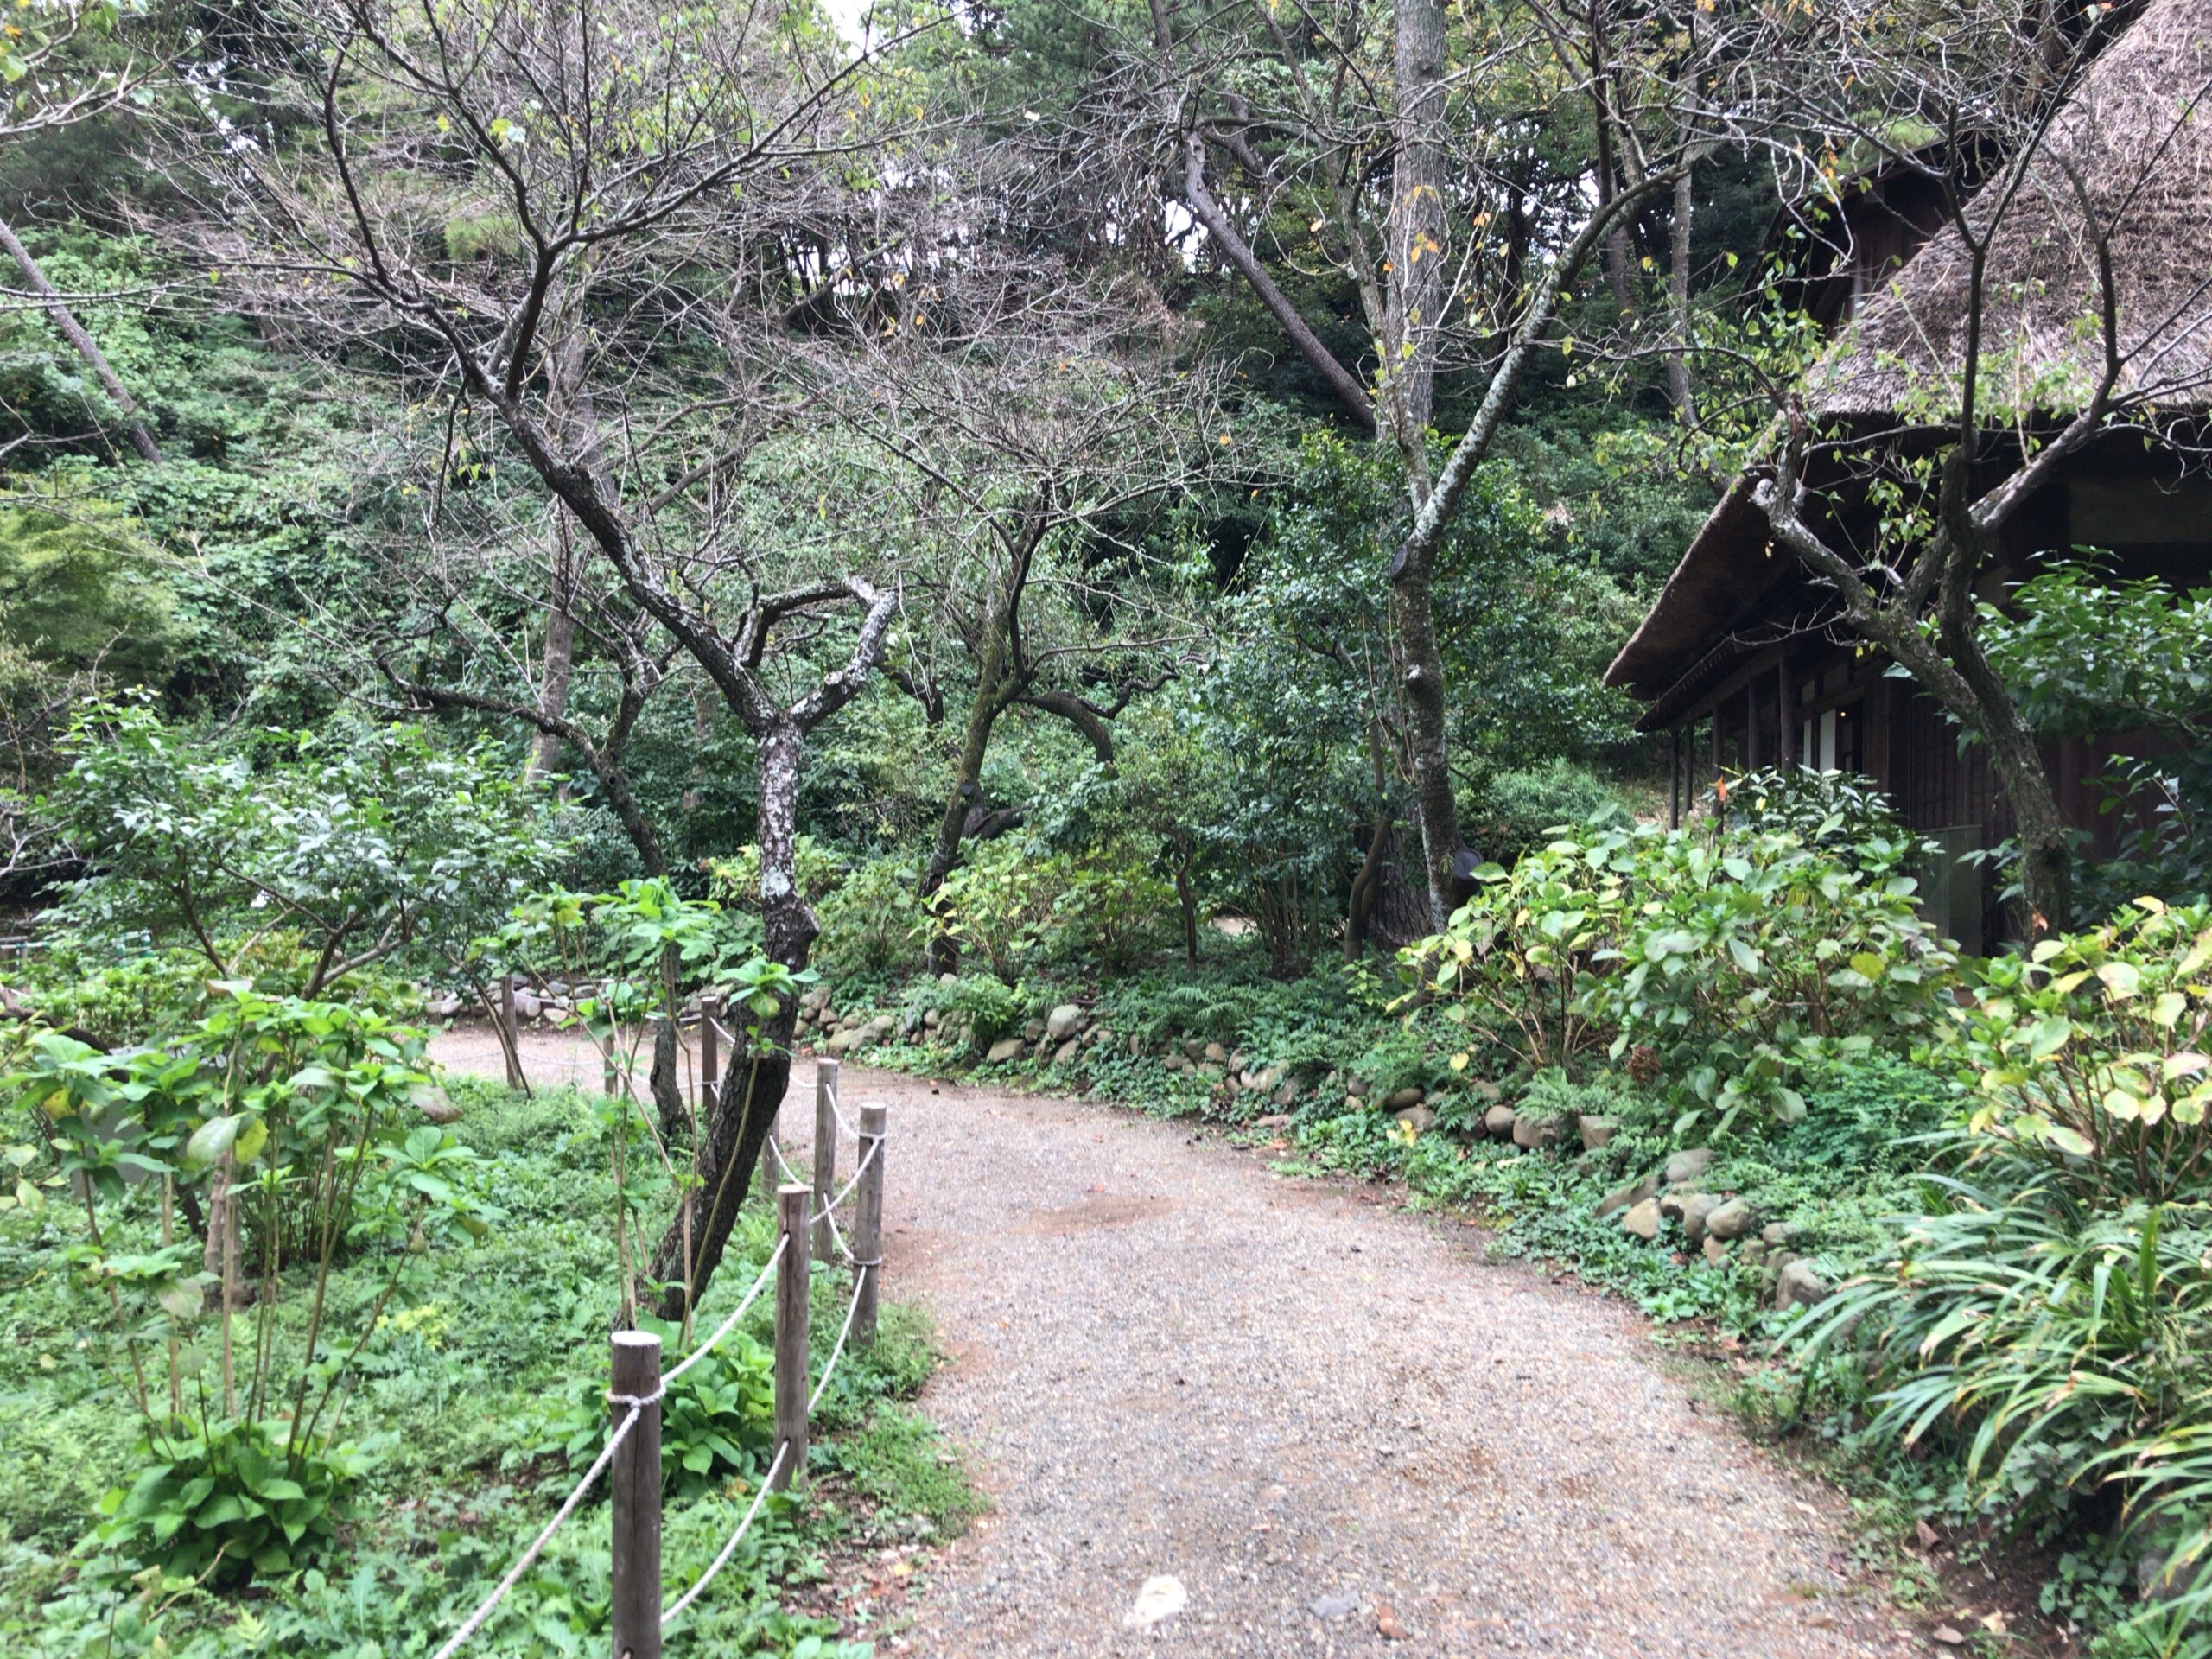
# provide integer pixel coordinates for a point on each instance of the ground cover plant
(466, 1411)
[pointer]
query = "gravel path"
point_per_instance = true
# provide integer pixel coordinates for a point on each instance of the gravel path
(1336, 1428)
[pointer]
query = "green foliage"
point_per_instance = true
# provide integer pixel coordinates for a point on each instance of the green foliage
(2090, 1055)
(225, 1502)
(1837, 812)
(373, 846)
(999, 905)
(477, 1338)
(717, 1419)
(1739, 958)
(1111, 909)
(872, 922)
(77, 592)
(2089, 659)
(1519, 810)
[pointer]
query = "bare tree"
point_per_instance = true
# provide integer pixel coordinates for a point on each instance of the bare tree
(2063, 304)
(52, 87)
(644, 167)
(1406, 143)
(1024, 421)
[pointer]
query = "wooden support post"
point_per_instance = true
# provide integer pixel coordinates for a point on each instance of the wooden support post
(1785, 752)
(792, 1361)
(825, 1152)
(867, 1222)
(633, 1481)
(711, 1052)
(510, 1031)
(1675, 778)
(1751, 724)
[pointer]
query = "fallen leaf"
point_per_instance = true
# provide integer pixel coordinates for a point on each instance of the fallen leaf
(1928, 1535)
(1387, 1625)
(1950, 1637)
(1993, 1622)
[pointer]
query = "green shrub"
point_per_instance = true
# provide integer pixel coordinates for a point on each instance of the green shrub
(872, 921)
(1737, 958)
(1836, 812)
(717, 1419)
(999, 905)
(1518, 811)
(2091, 1054)
(229, 1501)
(1112, 909)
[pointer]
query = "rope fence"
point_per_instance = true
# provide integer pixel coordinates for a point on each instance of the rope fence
(631, 1459)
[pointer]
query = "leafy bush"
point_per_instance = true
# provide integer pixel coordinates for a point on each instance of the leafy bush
(2050, 1314)
(872, 922)
(999, 903)
(1739, 958)
(2086, 658)
(1836, 812)
(1112, 908)
(227, 1502)
(2091, 1054)
(369, 845)
(1517, 811)
(717, 1419)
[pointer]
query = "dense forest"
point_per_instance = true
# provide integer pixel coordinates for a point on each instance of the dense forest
(1599, 613)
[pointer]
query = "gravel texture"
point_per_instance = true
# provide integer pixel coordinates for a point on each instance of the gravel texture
(1331, 1423)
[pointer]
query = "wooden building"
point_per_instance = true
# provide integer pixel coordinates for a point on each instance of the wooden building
(1743, 660)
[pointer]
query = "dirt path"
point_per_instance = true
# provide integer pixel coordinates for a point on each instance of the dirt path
(1337, 1429)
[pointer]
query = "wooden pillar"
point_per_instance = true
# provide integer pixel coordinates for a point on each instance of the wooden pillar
(825, 1152)
(1675, 778)
(1785, 752)
(1751, 724)
(633, 1482)
(867, 1224)
(791, 1355)
(510, 1031)
(710, 1009)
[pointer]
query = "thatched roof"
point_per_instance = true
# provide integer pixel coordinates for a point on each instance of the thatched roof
(2137, 136)
(2137, 133)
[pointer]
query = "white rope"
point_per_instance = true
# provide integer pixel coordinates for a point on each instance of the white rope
(722, 1030)
(514, 1573)
(782, 1163)
(836, 1233)
(730, 1549)
(767, 1272)
(845, 1192)
(822, 1387)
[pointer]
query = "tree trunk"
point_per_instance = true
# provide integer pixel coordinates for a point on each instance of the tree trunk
(133, 426)
(1415, 292)
(1187, 902)
(560, 663)
(1428, 735)
(967, 782)
(1678, 301)
(760, 1071)
(993, 668)
(577, 412)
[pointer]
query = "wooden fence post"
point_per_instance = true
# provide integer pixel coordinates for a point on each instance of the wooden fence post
(825, 1152)
(867, 1224)
(711, 1052)
(510, 1031)
(792, 1361)
(634, 1483)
